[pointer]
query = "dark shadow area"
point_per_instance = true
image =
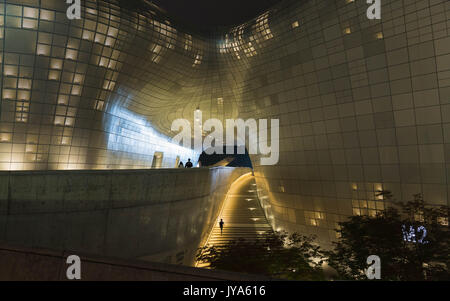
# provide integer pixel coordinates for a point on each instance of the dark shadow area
(230, 160)
(205, 16)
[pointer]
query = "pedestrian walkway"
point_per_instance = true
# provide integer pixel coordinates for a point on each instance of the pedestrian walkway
(242, 215)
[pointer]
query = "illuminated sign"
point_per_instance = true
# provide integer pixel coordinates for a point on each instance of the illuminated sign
(409, 235)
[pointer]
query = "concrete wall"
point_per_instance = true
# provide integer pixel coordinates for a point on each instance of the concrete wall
(25, 264)
(158, 215)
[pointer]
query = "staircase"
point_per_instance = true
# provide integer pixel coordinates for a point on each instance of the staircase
(242, 214)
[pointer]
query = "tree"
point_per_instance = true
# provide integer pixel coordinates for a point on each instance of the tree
(412, 241)
(293, 257)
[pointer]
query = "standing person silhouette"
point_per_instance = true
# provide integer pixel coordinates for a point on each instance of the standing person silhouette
(181, 165)
(189, 164)
(221, 223)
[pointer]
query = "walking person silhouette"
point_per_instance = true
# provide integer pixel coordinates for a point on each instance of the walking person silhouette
(221, 223)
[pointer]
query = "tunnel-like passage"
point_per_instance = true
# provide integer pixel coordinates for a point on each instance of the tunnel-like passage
(242, 214)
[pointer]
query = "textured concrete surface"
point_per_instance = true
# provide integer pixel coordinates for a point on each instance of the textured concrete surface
(26, 264)
(156, 215)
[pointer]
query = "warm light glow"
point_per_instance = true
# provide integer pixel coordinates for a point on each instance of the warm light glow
(29, 24)
(53, 75)
(29, 12)
(71, 54)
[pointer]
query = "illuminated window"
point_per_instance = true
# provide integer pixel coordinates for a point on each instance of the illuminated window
(29, 12)
(443, 221)
(198, 60)
(10, 70)
(76, 90)
(249, 50)
(112, 32)
(47, 15)
(188, 43)
(99, 105)
(109, 41)
(5, 137)
(54, 75)
(23, 95)
(69, 122)
(99, 38)
(88, 35)
(347, 30)
(63, 99)
(24, 83)
(262, 27)
(314, 217)
(71, 54)
(9, 94)
(29, 24)
(59, 120)
(78, 78)
(379, 35)
(43, 50)
(295, 24)
(56, 64)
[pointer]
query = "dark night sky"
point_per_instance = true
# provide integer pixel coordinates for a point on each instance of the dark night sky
(204, 15)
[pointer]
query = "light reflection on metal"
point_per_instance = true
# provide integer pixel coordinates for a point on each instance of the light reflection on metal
(132, 133)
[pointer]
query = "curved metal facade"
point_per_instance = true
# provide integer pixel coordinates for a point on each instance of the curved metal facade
(363, 105)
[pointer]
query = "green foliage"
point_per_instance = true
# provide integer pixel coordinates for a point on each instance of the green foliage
(293, 257)
(383, 235)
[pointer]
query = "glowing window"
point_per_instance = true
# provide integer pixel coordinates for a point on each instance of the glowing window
(29, 24)
(69, 122)
(295, 24)
(10, 70)
(88, 35)
(47, 15)
(30, 12)
(43, 50)
(99, 38)
(54, 75)
(379, 35)
(56, 64)
(71, 54)
(59, 120)
(23, 95)
(76, 90)
(109, 41)
(99, 105)
(347, 30)
(78, 78)
(63, 99)
(112, 32)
